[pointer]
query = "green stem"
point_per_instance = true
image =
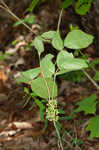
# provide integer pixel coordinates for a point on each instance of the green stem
(6, 8)
(59, 21)
(89, 77)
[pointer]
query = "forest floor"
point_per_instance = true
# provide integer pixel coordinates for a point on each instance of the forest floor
(21, 127)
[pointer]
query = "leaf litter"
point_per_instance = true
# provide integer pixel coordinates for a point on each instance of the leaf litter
(21, 128)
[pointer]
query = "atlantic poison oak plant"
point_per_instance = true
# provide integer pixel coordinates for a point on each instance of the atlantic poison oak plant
(42, 79)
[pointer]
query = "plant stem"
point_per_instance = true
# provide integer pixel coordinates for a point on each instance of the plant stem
(59, 21)
(89, 77)
(6, 8)
(61, 146)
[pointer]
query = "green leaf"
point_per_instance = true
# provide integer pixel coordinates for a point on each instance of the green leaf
(45, 122)
(30, 19)
(38, 44)
(96, 77)
(15, 42)
(66, 61)
(40, 87)
(32, 5)
(62, 71)
(94, 62)
(66, 118)
(88, 105)
(77, 39)
(41, 115)
(17, 23)
(22, 79)
(47, 67)
(74, 76)
(66, 3)
(48, 35)
(29, 75)
(41, 106)
(61, 111)
(82, 6)
(93, 127)
(26, 90)
(57, 42)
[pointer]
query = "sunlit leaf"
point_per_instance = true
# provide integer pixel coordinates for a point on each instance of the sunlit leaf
(29, 75)
(44, 87)
(77, 39)
(57, 42)
(38, 44)
(47, 67)
(48, 35)
(66, 61)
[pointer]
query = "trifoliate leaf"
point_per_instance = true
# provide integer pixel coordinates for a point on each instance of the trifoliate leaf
(77, 39)
(38, 44)
(44, 87)
(57, 42)
(66, 61)
(88, 105)
(93, 127)
(47, 67)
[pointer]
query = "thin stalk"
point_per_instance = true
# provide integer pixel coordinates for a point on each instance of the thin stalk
(6, 8)
(54, 84)
(89, 77)
(59, 137)
(59, 21)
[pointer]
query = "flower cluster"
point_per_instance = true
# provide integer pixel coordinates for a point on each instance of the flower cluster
(52, 111)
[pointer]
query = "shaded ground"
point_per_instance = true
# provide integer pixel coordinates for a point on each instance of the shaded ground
(21, 128)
